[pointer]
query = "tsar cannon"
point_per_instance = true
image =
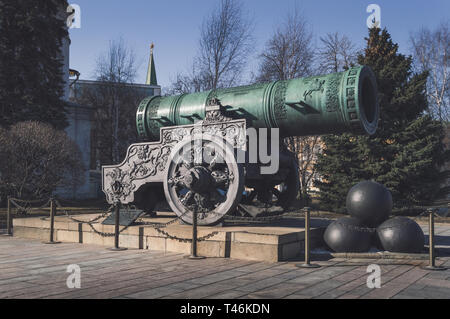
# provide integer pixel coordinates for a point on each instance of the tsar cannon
(199, 149)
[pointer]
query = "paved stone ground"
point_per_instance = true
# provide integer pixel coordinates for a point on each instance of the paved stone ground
(30, 269)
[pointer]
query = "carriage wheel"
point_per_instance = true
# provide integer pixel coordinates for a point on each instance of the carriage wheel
(203, 177)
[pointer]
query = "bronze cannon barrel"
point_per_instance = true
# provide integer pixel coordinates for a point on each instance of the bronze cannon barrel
(333, 103)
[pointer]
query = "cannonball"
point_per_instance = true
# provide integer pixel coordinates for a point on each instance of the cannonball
(370, 202)
(401, 235)
(347, 234)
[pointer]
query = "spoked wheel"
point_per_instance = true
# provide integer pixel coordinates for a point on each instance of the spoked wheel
(203, 177)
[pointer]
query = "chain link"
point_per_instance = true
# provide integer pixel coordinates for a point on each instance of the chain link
(158, 226)
(186, 240)
(29, 201)
(162, 225)
(103, 234)
(58, 204)
(24, 209)
(206, 237)
(181, 240)
(445, 204)
(90, 222)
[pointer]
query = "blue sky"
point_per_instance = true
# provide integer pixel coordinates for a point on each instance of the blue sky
(174, 27)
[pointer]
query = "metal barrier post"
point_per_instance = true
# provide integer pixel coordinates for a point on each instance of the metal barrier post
(431, 261)
(52, 222)
(117, 230)
(194, 239)
(307, 263)
(8, 219)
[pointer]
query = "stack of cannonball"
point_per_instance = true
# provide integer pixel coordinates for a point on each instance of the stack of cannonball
(369, 205)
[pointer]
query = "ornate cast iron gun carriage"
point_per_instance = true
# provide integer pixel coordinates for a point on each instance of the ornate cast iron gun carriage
(215, 124)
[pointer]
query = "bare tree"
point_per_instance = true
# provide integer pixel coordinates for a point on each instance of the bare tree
(118, 65)
(35, 159)
(432, 53)
(225, 44)
(224, 47)
(336, 54)
(181, 85)
(306, 149)
(194, 81)
(289, 52)
(114, 101)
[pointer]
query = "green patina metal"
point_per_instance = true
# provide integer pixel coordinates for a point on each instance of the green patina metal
(151, 72)
(334, 103)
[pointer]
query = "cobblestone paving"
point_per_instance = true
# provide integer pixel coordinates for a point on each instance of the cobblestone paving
(30, 269)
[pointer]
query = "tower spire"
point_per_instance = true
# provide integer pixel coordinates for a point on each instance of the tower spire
(151, 72)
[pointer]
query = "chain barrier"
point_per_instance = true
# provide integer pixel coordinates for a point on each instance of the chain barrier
(29, 201)
(434, 209)
(161, 225)
(27, 207)
(206, 237)
(90, 222)
(186, 240)
(181, 240)
(103, 234)
(21, 209)
(426, 212)
(58, 204)
(74, 203)
(158, 226)
(425, 208)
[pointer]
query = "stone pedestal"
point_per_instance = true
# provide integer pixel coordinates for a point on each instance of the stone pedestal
(271, 243)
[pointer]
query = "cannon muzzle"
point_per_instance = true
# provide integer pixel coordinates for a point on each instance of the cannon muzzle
(328, 104)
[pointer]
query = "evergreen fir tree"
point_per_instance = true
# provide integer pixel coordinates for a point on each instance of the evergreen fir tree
(31, 87)
(405, 154)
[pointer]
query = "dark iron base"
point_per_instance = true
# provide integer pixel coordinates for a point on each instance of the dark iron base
(195, 257)
(117, 249)
(434, 268)
(307, 266)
